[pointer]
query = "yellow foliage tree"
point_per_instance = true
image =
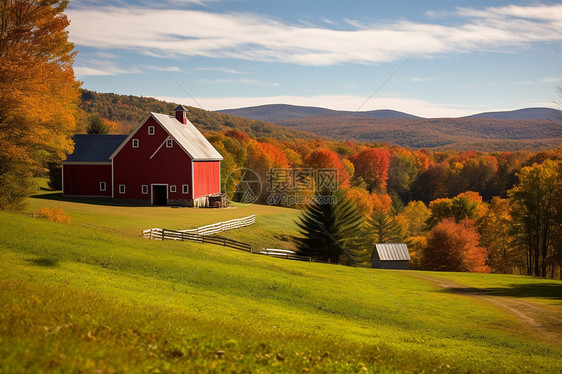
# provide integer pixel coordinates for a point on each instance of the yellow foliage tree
(38, 91)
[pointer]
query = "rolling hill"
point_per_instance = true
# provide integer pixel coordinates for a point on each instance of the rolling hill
(93, 296)
(524, 129)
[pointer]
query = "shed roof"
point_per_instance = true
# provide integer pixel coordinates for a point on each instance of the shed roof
(187, 136)
(392, 251)
(94, 148)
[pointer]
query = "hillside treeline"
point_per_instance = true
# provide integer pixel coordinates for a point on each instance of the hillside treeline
(127, 111)
(458, 211)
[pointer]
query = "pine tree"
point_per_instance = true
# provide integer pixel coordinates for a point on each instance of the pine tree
(330, 227)
(96, 125)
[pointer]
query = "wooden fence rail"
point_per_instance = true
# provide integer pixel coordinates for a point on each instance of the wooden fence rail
(223, 226)
(165, 234)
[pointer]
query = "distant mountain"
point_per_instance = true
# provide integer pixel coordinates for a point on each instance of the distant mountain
(279, 112)
(521, 114)
(529, 129)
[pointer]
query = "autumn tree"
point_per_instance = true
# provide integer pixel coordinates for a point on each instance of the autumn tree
(38, 92)
(495, 235)
(372, 165)
(453, 246)
(458, 208)
(402, 172)
(533, 202)
(323, 158)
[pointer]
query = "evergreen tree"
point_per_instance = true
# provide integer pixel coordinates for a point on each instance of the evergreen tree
(330, 227)
(96, 125)
(384, 228)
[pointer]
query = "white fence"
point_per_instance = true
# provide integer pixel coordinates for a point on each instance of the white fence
(217, 227)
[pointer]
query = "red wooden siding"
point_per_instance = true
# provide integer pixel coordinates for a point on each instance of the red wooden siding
(206, 177)
(85, 179)
(133, 167)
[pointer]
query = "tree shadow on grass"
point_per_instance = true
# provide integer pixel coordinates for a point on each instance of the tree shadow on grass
(106, 201)
(44, 261)
(539, 290)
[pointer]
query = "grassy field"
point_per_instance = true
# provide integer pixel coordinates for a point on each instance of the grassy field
(93, 296)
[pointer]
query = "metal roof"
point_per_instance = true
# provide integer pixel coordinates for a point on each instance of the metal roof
(189, 138)
(392, 251)
(94, 148)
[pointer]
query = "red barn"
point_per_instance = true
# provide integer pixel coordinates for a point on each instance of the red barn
(164, 161)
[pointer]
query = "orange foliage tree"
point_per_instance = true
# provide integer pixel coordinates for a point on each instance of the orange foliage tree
(372, 164)
(38, 91)
(453, 246)
(323, 158)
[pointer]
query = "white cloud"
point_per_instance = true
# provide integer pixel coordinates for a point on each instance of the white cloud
(163, 32)
(547, 80)
(176, 69)
(416, 107)
(221, 70)
(246, 82)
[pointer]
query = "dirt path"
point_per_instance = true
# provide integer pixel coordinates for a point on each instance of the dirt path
(535, 317)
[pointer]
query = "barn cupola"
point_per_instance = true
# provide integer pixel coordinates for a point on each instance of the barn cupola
(181, 114)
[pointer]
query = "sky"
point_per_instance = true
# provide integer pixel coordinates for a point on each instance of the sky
(431, 58)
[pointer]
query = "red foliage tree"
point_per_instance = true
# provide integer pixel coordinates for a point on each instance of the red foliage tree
(372, 164)
(454, 246)
(323, 158)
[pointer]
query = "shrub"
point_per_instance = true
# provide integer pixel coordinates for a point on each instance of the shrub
(54, 214)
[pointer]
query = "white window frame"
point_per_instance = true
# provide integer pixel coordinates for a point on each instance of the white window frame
(172, 188)
(185, 189)
(150, 130)
(144, 189)
(169, 143)
(103, 186)
(136, 143)
(122, 189)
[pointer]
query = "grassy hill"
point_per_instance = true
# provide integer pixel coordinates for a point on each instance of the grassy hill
(129, 111)
(94, 296)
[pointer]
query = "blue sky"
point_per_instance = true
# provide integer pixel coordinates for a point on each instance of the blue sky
(438, 58)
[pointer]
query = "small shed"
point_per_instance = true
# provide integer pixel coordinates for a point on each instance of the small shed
(390, 256)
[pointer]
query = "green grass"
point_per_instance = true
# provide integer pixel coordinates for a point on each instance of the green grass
(81, 297)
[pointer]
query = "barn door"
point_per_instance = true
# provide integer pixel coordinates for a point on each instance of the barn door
(159, 194)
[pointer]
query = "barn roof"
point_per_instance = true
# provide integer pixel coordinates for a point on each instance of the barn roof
(187, 136)
(392, 251)
(94, 148)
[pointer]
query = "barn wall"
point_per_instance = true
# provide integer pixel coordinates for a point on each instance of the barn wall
(206, 177)
(397, 264)
(84, 180)
(133, 167)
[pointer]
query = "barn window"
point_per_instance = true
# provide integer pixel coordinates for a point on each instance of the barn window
(185, 188)
(121, 188)
(150, 130)
(169, 143)
(144, 189)
(103, 186)
(172, 188)
(135, 143)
